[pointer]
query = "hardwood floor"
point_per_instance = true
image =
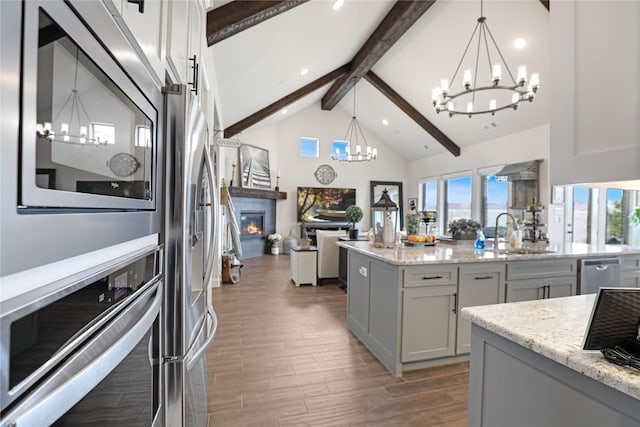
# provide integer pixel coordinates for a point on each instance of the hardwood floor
(283, 356)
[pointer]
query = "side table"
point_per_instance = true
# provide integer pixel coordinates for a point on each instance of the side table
(304, 265)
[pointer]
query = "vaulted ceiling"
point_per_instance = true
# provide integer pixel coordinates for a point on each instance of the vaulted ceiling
(395, 52)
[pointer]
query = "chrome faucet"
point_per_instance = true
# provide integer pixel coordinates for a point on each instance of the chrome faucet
(496, 238)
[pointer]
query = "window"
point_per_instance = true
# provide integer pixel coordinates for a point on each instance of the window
(339, 149)
(615, 216)
(103, 132)
(458, 198)
(143, 136)
(309, 147)
(581, 221)
(428, 195)
(495, 196)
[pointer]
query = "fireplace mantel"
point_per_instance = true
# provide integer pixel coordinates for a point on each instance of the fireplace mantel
(256, 193)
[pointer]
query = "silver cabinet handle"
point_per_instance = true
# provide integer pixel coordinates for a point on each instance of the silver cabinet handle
(455, 303)
(431, 277)
(483, 277)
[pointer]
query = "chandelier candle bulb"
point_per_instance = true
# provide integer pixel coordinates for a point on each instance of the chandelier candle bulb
(492, 105)
(358, 150)
(535, 81)
(467, 79)
(374, 153)
(497, 73)
(64, 128)
(470, 107)
(515, 98)
(522, 74)
(444, 84)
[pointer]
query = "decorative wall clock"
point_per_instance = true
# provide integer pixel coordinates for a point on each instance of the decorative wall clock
(325, 174)
(123, 164)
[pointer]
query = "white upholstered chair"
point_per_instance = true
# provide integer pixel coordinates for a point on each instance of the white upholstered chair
(328, 253)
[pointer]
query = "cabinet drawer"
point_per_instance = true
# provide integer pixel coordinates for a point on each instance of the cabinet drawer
(542, 268)
(431, 276)
(630, 263)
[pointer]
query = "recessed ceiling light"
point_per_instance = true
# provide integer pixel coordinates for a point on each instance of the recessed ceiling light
(284, 111)
(385, 122)
(490, 125)
(304, 71)
(337, 4)
(519, 43)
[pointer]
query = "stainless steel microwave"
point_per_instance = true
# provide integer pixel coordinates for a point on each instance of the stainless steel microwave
(81, 134)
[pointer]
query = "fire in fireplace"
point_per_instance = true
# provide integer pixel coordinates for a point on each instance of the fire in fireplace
(251, 224)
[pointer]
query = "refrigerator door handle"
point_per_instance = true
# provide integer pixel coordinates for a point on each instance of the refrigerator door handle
(209, 267)
(213, 327)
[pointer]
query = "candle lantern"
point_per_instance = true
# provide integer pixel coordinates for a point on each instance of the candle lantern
(385, 219)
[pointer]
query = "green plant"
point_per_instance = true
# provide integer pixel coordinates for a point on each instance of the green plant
(635, 217)
(353, 214)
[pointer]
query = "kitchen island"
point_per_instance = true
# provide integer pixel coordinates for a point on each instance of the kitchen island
(528, 368)
(403, 303)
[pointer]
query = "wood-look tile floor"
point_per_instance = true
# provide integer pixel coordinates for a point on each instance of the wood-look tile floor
(283, 356)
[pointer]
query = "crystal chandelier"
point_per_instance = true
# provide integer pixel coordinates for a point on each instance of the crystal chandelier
(354, 137)
(68, 132)
(495, 95)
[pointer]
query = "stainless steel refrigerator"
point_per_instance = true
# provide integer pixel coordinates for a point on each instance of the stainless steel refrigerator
(190, 199)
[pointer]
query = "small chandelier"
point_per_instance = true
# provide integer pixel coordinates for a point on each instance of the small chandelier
(354, 137)
(499, 96)
(75, 107)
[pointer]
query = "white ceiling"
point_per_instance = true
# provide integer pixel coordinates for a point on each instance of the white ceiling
(262, 64)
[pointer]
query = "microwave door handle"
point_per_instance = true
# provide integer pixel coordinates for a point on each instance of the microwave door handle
(77, 377)
(210, 256)
(213, 327)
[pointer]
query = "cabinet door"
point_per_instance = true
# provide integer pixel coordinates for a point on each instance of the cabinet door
(147, 31)
(358, 295)
(524, 290)
(178, 40)
(479, 285)
(561, 287)
(428, 322)
(630, 279)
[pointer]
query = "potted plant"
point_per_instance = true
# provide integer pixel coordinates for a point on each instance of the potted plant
(275, 240)
(464, 229)
(353, 214)
(635, 217)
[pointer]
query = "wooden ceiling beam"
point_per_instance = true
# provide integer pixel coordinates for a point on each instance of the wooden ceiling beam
(236, 16)
(283, 102)
(410, 111)
(400, 18)
(546, 4)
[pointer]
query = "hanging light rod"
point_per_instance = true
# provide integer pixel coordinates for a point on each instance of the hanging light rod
(354, 137)
(493, 96)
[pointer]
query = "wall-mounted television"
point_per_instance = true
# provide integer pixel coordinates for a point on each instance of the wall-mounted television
(321, 204)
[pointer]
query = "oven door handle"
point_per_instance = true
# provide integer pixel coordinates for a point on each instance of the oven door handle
(213, 327)
(89, 365)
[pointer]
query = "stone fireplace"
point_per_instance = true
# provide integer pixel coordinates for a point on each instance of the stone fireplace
(256, 218)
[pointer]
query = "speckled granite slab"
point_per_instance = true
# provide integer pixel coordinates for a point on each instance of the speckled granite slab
(555, 328)
(444, 253)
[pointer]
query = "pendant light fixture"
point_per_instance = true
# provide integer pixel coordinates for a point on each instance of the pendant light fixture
(489, 95)
(73, 131)
(354, 137)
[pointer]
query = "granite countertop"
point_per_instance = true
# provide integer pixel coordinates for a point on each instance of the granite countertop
(443, 253)
(555, 328)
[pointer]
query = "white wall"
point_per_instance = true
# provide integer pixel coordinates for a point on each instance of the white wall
(282, 138)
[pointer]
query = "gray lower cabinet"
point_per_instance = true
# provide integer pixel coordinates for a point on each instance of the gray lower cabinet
(358, 295)
(530, 280)
(630, 274)
(479, 284)
(428, 322)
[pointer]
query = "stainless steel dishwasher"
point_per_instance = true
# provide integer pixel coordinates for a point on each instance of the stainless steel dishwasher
(599, 273)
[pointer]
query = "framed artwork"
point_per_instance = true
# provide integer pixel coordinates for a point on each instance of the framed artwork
(395, 193)
(46, 178)
(254, 167)
(320, 204)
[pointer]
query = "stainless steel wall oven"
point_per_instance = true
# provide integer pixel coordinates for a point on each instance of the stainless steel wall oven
(87, 350)
(81, 134)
